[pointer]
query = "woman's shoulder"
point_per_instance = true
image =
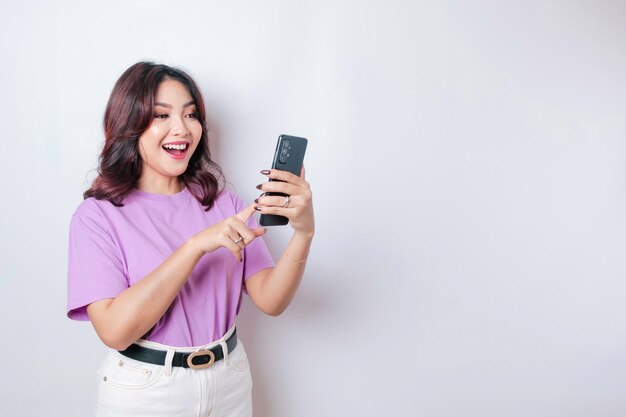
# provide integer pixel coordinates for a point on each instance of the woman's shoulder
(93, 208)
(91, 217)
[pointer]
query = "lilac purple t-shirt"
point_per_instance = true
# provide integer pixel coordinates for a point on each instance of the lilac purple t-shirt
(111, 248)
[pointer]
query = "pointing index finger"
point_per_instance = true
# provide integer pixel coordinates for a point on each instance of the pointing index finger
(245, 214)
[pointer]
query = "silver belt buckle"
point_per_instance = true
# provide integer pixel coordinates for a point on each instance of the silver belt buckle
(200, 353)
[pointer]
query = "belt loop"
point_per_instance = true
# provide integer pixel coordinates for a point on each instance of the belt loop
(169, 356)
(225, 347)
(225, 350)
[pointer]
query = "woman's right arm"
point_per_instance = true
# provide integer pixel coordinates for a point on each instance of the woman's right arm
(122, 320)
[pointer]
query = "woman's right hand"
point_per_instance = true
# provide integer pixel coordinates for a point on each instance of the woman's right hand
(231, 233)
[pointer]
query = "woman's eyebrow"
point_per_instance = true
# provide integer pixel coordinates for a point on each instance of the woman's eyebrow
(169, 106)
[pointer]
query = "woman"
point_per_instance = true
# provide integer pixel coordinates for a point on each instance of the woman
(159, 255)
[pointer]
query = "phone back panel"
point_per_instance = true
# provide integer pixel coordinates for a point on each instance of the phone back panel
(288, 156)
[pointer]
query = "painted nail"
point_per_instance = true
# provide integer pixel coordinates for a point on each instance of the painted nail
(266, 172)
(257, 208)
(258, 187)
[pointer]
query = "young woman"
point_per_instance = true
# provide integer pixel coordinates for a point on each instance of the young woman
(159, 254)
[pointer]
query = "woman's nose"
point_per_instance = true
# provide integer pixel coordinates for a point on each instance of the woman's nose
(178, 127)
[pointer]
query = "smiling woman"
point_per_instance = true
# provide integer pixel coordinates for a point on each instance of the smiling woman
(159, 255)
(151, 106)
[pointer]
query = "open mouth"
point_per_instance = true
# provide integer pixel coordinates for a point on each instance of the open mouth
(176, 150)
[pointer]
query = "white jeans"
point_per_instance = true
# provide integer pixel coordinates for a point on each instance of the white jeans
(127, 387)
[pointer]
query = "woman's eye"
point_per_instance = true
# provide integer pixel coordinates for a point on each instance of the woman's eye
(160, 116)
(193, 115)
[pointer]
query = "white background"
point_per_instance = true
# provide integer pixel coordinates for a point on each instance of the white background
(468, 167)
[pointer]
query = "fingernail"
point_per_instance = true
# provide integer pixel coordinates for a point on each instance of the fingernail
(266, 172)
(258, 187)
(257, 208)
(256, 201)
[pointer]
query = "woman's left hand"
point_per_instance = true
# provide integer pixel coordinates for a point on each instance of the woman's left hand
(298, 207)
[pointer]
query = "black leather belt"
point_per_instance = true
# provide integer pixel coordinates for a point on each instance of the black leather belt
(195, 360)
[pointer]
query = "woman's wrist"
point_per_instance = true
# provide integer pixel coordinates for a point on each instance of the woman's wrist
(302, 235)
(193, 245)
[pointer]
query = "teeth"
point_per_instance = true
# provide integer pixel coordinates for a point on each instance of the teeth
(179, 147)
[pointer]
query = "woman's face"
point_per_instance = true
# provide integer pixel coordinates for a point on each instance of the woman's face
(173, 135)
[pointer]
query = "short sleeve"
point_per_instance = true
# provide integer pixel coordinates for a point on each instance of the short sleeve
(95, 267)
(256, 255)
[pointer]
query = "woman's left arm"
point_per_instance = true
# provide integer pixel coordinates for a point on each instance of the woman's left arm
(273, 289)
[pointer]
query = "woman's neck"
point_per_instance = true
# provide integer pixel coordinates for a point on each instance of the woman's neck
(168, 186)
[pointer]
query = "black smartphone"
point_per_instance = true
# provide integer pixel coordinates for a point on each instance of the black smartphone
(288, 156)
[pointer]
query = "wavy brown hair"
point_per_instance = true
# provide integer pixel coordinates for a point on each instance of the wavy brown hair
(128, 114)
